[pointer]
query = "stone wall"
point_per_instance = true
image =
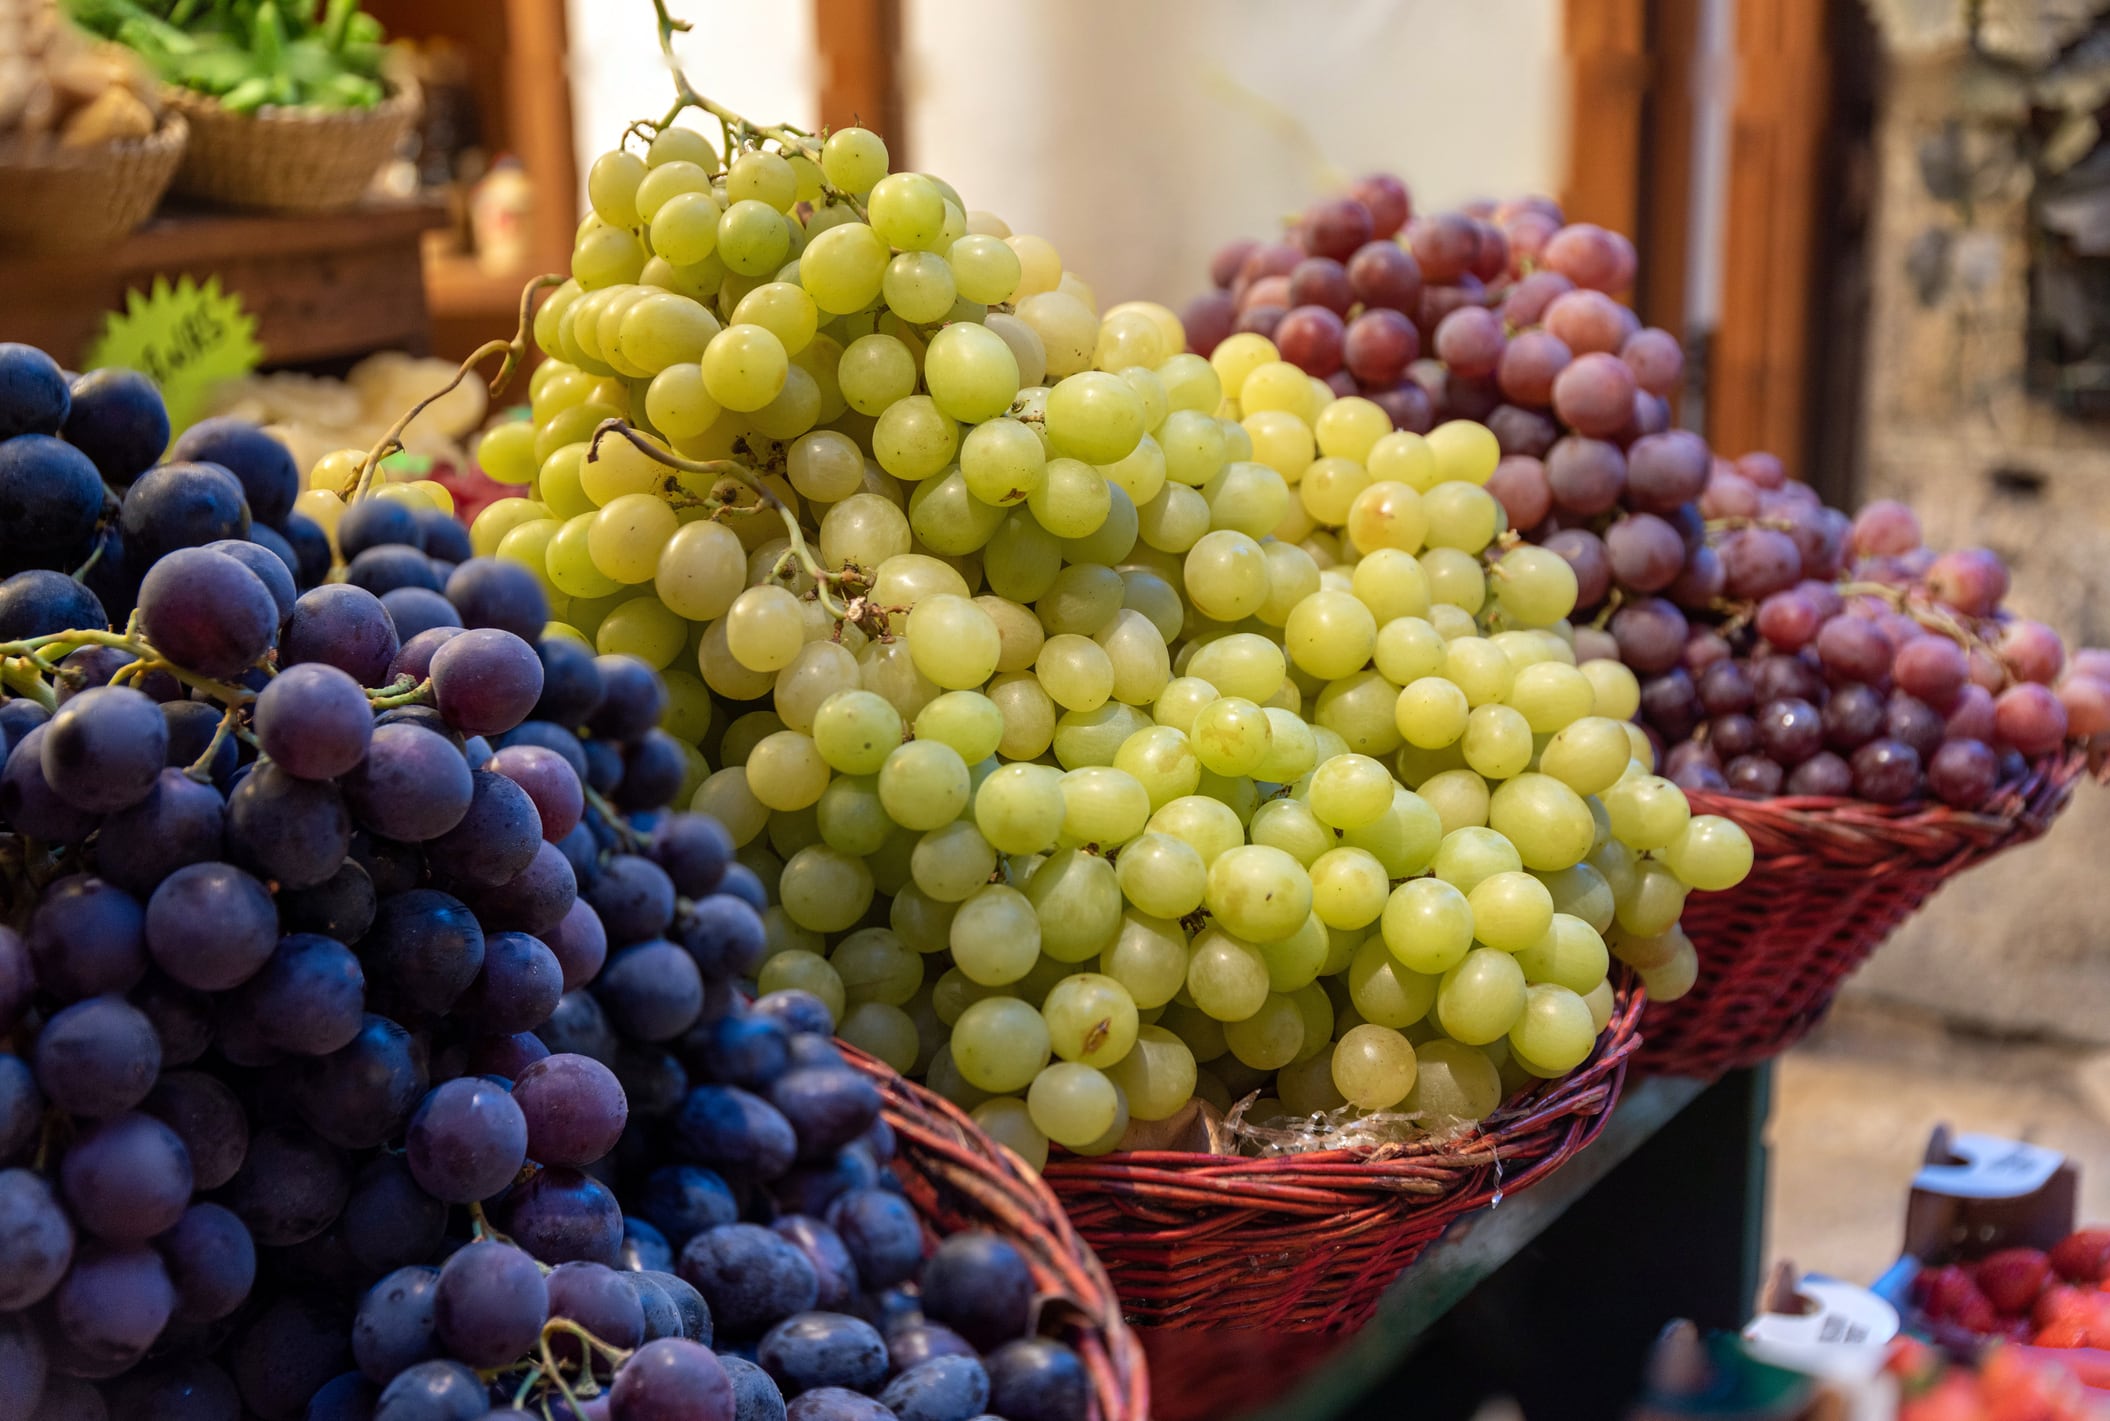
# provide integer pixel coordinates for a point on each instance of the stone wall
(2021, 945)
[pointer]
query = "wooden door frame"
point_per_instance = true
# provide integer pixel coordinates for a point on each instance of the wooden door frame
(860, 70)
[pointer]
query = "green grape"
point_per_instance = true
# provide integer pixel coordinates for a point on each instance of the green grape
(864, 529)
(1025, 345)
(1428, 926)
(914, 439)
(1181, 701)
(625, 538)
(1202, 1033)
(1193, 446)
(985, 269)
(908, 210)
(1238, 794)
(1349, 791)
(886, 1032)
(1330, 634)
(611, 186)
(1453, 1081)
(1551, 695)
(1280, 440)
(785, 772)
(1078, 900)
(1000, 1044)
(1068, 331)
(1080, 600)
(678, 403)
(1230, 736)
(753, 238)
(782, 308)
(1618, 692)
(1002, 460)
(500, 518)
(1431, 713)
(1292, 578)
(1008, 1122)
(1455, 580)
(1148, 957)
(1329, 487)
(945, 1079)
(1511, 911)
(762, 177)
(855, 730)
(1664, 983)
(1292, 750)
(1404, 838)
(745, 367)
(1348, 888)
(1549, 824)
(1555, 1034)
(660, 331)
(1478, 668)
(851, 817)
(1207, 825)
(920, 921)
(1469, 855)
(876, 966)
(953, 641)
(1091, 1018)
(1242, 664)
(1226, 976)
(971, 372)
(1075, 671)
(1259, 893)
(1142, 474)
(923, 784)
(1029, 716)
(1073, 1104)
(1647, 811)
(1247, 497)
(1588, 756)
(854, 160)
(1271, 1037)
(1497, 741)
(1020, 808)
(1572, 954)
(875, 372)
(965, 720)
(1387, 514)
(1462, 516)
(1653, 904)
(1289, 825)
(1162, 761)
(951, 862)
(1095, 417)
(569, 561)
(1114, 537)
(1191, 383)
(825, 466)
(1385, 992)
(822, 669)
(995, 937)
(1464, 450)
(1535, 586)
(668, 180)
(1157, 1077)
(1373, 1067)
(1480, 999)
(798, 971)
(844, 268)
(1071, 500)
(558, 484)
(641, 627)
(1710, 852)
(1174, 521)
(1103, 806)
(1163, 876)
(764, 629)
(1018, 630)
(1583, 892)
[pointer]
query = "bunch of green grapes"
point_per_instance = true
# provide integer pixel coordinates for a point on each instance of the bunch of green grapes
(1193, 734)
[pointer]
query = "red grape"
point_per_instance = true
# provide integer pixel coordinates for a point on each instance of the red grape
(1594, 395)
(1321, 281)
(2030, 718)
(1763, 469)
(1704, 646)
(1788, 619)
(1590, 256)
(1914, 722)
(1470, 341)
(1855, 649)
(1886, 528)
(1519, 484)
(1590, 321)
(1269, 259)
(1595, 644)
(1733, 735)
(1725, 688)
(1753, 774)
(1586, 475)
(1886, 771)
(1651, 635)
(1385, 274)
(1229, 259)
(1528, 233)
(1853, 716)
(1972, 580)
(1529, 366)
(2032, 651)
(1526, 302)
(1471, 397)
(1664, 471)
(1445, 245)
(1656, 358)
(1729, 495)
(1208, 318)
(1646, 553)
(1522, 431)
(1790, 730)
(1971, 718)
(1779, 676)
(1379, 345)
(1932, 668)
(2092, 661)
(1311, 338)
(1266, 291)
(1387, 200)
(1261, 320)
(1759, 561)
(2087, 703)
(1408, 405)
(1491, 261)
(1963, 773)
(1335, 227)
(1669, 705)
(1823, 776)
(1439, 301)
(1584, 552)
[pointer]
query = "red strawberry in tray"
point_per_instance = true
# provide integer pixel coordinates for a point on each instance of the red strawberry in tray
(2058, 1302)
(2013, 1278)
(2083, 1257)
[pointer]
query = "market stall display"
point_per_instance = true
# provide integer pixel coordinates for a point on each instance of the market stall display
(1862, 705)
(86, 151)
(359, 1065)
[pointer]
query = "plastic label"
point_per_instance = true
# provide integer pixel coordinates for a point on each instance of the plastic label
(1844, 1336)
(1990, 1168)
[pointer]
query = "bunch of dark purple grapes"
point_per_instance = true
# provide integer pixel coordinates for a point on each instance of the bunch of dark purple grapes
(372, 1041)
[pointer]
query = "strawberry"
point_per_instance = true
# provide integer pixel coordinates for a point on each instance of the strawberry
(1942, 1290)
(2012, 1278)
(2083, 1257)
(1953, 1398)
(2069, 1331)
(2059, 1301)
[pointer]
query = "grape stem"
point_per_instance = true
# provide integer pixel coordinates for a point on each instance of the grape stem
(736, 128)
(824, 581)
(600, 805)
(514, 351)
(128, 640)
(199, 769)
(402, 692)
(1933, 618)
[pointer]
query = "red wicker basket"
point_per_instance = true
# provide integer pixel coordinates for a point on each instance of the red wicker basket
(1245, 1273)
(1831, 879)
(959, 1178)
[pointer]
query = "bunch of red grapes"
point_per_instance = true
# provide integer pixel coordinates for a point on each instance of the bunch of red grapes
(1783, 646)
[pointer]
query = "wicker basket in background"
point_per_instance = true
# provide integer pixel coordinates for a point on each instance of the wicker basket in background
(958, 1178)
(1830, 880)
(73, 199)
(1244, 1274)
(288, 159)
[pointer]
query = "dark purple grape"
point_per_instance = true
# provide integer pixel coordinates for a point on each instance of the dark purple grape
(269, 478)
(654, 767)
(1915, 723)
(291, 831)
(1853, 716)
(36, 1240)
(207, 612)
(881, 1232)
(486, 681)
(495, 840)
(87, 937)
(939, 1389)
(634, 897)
(549, 781)
(598, 1299)
(376, 523)
(288, 1353)
(270, 569)
(1823, 774)
(24, 1370)
(632, 698)
(291, 1187)
(1963, 773)
(425, 948)
(573, 1107)
(314, 721)
(127, 1178)
(21, 1108)
(467, 1141)
(978, 1285)
(116, 417)
(395, 568)
(39, 602)
(823, 1349)
(1753, 774)
(517, 987)
(1886, 772)
(194, 1390)
(490, 1304)
(208, 1117)
(393, 1329)
(97, 1058)
(1385, 276)
(1035, 1379)
(1651, 634)
(671, 1379)
(345, 627)
(1790, 731)
(748, 1051)
(1855, 649)
(489, 592)
(801, 1013)
(104, 748)
(341, 907)
(1725, 688)
(1759, 561)
(112, 1305)
(562, 1215)
(211, 1261)
(413, 786)
(827, 1106)
(439, 1389)
(1777, 678)
(695, 850)
(178, 506)
(652, 991)
(580, 944)
(750, 1277)
(388, 1221)
(361, 1096)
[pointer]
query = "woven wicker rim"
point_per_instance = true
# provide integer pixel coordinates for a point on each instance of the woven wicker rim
(962, 1178)
(44, 155)
(1325, 1180)
(205, 106)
